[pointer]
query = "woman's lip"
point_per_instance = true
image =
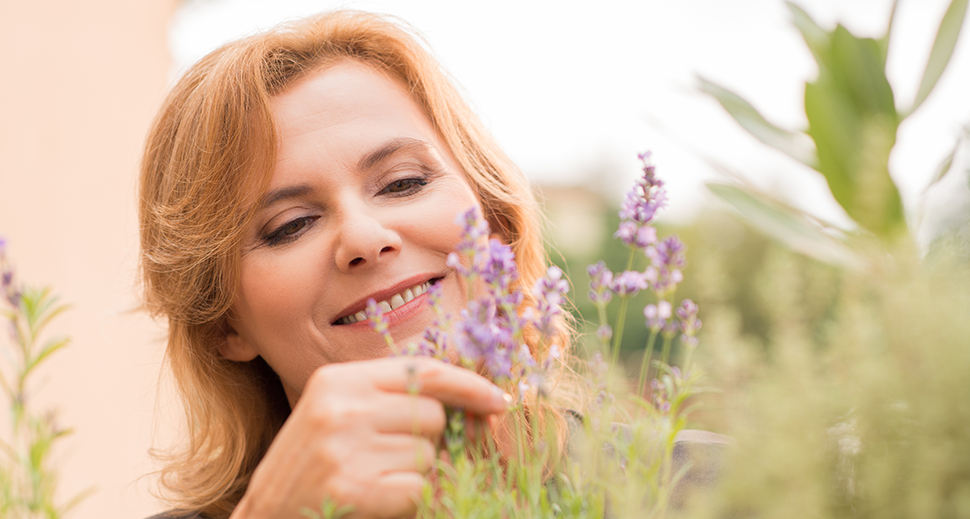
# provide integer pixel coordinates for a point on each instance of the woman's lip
(385, 294)
(398, 314)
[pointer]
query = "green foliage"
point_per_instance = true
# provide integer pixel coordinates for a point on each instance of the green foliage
(28, 482)
(859, 413)
(792, 227)
(946, 41)
(852, 121)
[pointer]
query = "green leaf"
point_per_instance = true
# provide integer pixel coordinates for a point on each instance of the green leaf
(945, 166)
(785, 224)
(815, 37)
(853, 121)
(751, 120)
(884, 41)
(49, 348)
(946, 41)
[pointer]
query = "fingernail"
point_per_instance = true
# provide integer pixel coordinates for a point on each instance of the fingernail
(502, 398)
(508, 400)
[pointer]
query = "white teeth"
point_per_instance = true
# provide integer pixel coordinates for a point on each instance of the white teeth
(395, 302)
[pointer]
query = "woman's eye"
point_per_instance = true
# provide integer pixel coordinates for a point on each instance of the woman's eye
(288, 231)
(404, 185)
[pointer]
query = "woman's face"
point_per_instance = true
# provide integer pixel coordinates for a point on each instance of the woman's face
(361, 205)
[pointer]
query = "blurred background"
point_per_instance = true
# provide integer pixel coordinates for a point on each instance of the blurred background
(571, 92)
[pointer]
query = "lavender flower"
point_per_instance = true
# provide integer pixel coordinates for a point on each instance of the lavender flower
(667, 258)
(549, 291)
(665, 388)
(657, 315)
(481, 335)
(604, 333)
(689, 323)
(661, 396)
(474, 231)
(499, 270)
(639, 208)
(375, 315)
(600, 283)
(554, 354)
(670, 253)
(636, 235)
(473, 226)
(629, 283)
(649, 170)
(434, 342)
(10, 291)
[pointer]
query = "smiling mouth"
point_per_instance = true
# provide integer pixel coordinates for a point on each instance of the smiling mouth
(393, 303)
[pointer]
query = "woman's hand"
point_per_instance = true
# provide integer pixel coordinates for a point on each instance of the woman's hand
(351, 437)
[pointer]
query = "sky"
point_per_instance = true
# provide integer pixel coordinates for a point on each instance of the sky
(573, 92)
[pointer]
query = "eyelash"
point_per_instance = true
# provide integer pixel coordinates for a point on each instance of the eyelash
(415, 184)
(279, 236)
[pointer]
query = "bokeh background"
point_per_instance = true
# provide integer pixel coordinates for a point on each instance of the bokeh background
(573, 93)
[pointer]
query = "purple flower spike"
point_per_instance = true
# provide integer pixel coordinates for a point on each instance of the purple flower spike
(10, 291)
(481, 335)
(641, 206)
(604, 333)
(454, 261)
(667, 258)
(555, 353)
(649, 171)
(689, 323)
(473, 226)
(435, 293)
(499, 269)
(687, 310)
(670, 253)
(549, 291)
(600, 283)
(629, 283)
(472, 249)
(375, 315)
(657, 315)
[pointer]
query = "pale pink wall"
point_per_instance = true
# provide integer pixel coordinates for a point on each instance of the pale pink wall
(80, 82)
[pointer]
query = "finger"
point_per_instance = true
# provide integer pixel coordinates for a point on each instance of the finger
(399, 452)
(450, 384)
(414, 414)
(395, 494)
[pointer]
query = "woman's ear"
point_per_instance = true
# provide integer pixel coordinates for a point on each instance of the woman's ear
(234, 346)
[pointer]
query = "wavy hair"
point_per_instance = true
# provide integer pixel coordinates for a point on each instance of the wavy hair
(208, 158)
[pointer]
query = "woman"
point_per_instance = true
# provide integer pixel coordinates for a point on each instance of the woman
(289, 177)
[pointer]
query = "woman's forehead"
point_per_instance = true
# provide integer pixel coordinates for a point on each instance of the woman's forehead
(351, 116)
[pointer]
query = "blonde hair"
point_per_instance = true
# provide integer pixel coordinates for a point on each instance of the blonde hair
(208, 158)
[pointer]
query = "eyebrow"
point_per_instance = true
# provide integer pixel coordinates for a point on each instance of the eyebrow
(390, 148)
(368, 161)
(284, 193)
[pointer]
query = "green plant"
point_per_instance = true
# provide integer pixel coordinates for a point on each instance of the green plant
(27, 480)
(853, 117)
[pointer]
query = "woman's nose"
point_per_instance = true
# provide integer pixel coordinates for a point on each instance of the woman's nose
(364, 240)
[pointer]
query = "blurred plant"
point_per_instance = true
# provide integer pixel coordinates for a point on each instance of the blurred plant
(27, 480)
(853, 119)
(636, 476)
(862, 414)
